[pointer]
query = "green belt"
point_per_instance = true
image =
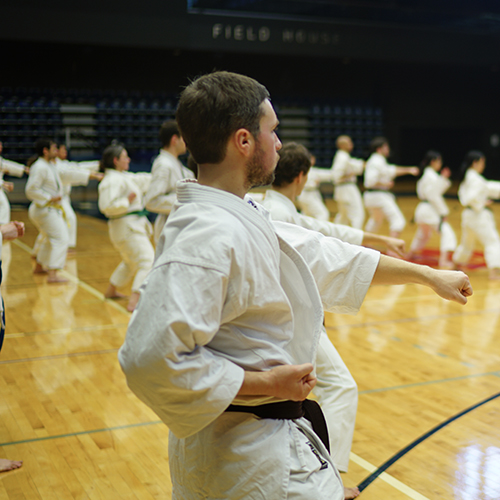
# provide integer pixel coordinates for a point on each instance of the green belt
(140, 213)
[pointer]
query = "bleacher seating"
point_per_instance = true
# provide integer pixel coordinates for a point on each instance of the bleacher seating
(94, 118)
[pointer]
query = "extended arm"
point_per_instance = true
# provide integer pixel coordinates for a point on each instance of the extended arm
(451, 285)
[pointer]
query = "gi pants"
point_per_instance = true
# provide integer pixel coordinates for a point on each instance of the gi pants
(130, 235)
(54, 237)
(428, 221)
(479, 226)
(351, 211)
(71, 220)
(337, 394)
(311, 203)
(382, 205)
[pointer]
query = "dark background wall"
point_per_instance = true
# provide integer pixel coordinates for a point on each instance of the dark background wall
(437, 86)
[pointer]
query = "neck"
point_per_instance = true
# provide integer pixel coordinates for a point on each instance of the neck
(289, 191)
(171, 149)
(222, 176)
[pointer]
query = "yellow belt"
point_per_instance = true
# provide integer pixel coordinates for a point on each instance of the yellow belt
(58, 206)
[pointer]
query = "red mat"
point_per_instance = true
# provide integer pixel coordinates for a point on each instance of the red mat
(430, 257)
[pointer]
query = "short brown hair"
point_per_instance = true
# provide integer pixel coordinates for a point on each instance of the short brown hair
(213, 107)
(167, 130)
(294, 159)
(377, 143)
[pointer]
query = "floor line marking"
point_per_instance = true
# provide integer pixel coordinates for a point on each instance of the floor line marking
(429, 382)
(392, 481)
(58, 356)
(79, 282)
(401, 453)
(81, 433)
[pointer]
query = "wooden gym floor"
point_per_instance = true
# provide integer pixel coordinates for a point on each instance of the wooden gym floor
(66, 411)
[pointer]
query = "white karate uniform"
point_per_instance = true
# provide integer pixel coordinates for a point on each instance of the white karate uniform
(166, 171)
(45, 183)
(310, 201)
(10, 168)
(130, 233)
(380, 203)
(478, 221)
(336, 389)
(429, 212)
(350, 207)
(82, 170)
(231, 291)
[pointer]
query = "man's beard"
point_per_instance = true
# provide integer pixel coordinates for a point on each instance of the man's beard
(255, 174)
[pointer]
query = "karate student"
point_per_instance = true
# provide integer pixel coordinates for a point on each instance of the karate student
(336, 389)
(230, 316)
(10, 168)
(83, 171)
(311, 201)
(121, 201)
(167, 170)
(8, 232)
(431, 213)
(345, 169)
(379, 201)
(478, 223)
(44, 189)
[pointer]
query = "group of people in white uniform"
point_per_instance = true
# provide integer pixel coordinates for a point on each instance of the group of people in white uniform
(124, 198)
(475, 195)
(228, 338)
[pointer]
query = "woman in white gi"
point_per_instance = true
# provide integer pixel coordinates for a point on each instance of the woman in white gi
(10, 168)
(167, 170)
(478, 223)
(431, 213)
(121, 201)
(379, 201)
(345, 169)
(44, 189)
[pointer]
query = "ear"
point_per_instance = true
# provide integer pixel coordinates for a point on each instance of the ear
(299, 178)
(244, 142)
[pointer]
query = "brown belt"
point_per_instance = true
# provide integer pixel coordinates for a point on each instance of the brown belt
(291, 410)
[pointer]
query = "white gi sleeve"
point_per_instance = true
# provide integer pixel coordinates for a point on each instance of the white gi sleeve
(73, 176)
(493, 190)
(340, 231)
(161, 195)
(164, 356)
(343, 272)
(142, 179)
(12, 168)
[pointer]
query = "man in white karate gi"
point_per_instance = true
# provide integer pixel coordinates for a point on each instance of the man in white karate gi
(166, 171)
(230, 316)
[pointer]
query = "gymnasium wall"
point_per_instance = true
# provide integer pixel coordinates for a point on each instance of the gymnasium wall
(436, 88)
